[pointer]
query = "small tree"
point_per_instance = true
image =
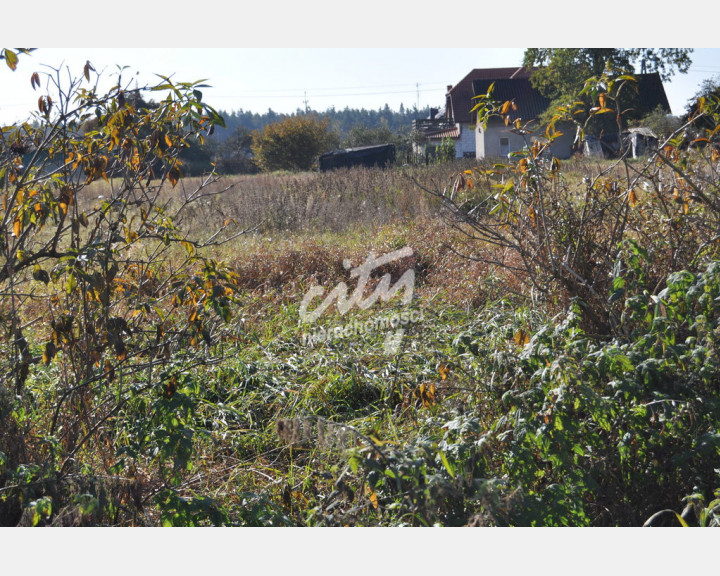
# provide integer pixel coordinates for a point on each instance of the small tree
(360, 135)
(661, 123)
(105, 302)
(709, 92)
(293, 143)
(588, 242)
(446, 150)
(561, 72)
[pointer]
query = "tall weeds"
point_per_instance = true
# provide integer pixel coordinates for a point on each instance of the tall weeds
(334, 201)
(568, 240)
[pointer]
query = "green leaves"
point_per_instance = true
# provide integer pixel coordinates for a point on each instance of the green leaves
(292, 144)
(584, 414)
(449, 466)
(560, 72)
(179, 511)
(485, 107)
(11, 58)
(40, 509)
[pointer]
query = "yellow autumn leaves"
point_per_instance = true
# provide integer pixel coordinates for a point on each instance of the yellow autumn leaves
(32, 207)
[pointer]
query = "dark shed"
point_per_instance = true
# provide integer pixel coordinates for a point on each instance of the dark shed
(380, 155)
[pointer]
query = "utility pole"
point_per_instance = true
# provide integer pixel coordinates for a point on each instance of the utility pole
(306, 102)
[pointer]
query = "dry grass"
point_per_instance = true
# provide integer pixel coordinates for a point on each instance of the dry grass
(278, 270)
(318, 202)
(305, 225)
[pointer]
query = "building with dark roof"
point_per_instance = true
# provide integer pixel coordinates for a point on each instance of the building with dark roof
(459, 98)
(459, 124)
(513, 84)
(497, 139)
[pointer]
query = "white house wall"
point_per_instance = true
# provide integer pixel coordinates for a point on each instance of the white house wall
(487, 142)
(562, 146)
(466, 142)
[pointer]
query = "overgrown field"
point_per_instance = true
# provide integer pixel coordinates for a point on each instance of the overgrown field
(533, 343)
(496, 408)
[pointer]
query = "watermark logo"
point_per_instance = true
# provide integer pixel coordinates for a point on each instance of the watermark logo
(384, 291)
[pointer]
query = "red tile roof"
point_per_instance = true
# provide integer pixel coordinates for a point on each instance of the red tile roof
(440, 134)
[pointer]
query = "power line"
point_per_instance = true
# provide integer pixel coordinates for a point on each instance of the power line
(364, 87)
(316, 95)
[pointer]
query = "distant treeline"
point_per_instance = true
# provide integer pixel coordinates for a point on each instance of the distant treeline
(341, 121)
(229, 148)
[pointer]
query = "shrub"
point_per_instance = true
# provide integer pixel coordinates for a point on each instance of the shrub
(99, 329)
(292, 144)
(564, 239)
(570, 431)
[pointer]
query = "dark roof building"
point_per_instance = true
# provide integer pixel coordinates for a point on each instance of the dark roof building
(459, 98)
(379, 155)
(651, 92)
(514, 84)
(530, 103)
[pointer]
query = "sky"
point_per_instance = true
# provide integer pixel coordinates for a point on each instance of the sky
(288, 79)
(285, 56)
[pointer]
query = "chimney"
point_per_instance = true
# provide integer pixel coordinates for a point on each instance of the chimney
(449, 87)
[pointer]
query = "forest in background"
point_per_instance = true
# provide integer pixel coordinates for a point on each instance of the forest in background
(341, 121)
(230, 148)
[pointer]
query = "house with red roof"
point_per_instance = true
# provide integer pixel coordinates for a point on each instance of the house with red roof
(430, 133)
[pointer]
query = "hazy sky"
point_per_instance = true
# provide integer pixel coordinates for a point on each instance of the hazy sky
(284, 79)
